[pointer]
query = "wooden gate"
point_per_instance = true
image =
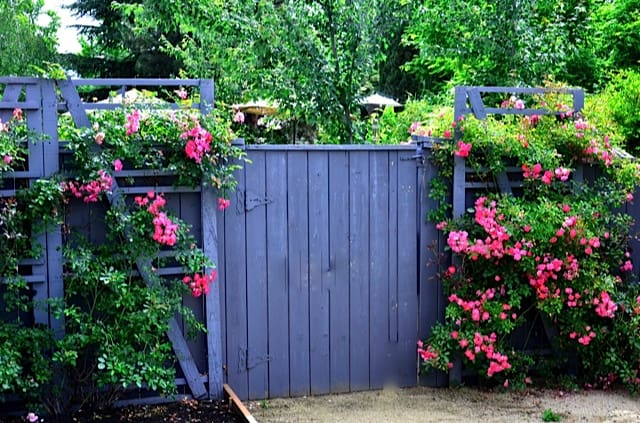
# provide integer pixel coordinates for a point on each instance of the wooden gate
(326, 270)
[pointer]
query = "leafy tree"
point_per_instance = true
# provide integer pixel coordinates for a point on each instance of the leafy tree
(504, 42)
(314, 57)
(112, 48)
(618, 33)
(392, 21)
(26, 45)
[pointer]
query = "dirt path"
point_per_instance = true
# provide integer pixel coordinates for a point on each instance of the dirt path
(450, 405)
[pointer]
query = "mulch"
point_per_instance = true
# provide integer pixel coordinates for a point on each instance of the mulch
(186, 410)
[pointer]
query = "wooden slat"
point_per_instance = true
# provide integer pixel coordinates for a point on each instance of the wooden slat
(34, 279)
(206, 96)
(18, 80)
(10, 95)
(142, 172)
(257, 312)
(36, 164)
(51, 165)
(329, 147)
(298, 257)
(236, 403)
(157, 189)
(235, 279)
(431, 300)
(359, 270)
(379, 346)
(319, 263)
(213, 313)
(407, 272)
(277, 273)
(138, 82)
(24, 105)
(221, 280)
(392, 285)
(188, 208)
(338, 277)
(187, 364)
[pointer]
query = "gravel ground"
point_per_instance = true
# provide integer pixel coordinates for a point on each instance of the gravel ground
(451, 405)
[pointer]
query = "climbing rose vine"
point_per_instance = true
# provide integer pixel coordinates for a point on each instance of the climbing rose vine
(126, 271)
(553, 254)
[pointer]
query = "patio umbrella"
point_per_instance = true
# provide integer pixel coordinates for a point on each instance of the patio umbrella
(377, 101)
(260, 107)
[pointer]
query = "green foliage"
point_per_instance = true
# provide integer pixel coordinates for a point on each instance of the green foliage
(619, 103)
(557, 251)
(159, 143)
(549, 416)
(393, 127)
(617, 26)
(497, 43)
(115, 323)
(14, 136)
(24, 42)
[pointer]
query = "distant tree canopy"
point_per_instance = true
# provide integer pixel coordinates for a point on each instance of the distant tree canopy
(25, 44)
(113, 49)
(317, 57)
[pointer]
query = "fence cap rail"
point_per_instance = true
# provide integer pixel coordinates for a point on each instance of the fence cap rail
(330, 147)
(106, 82)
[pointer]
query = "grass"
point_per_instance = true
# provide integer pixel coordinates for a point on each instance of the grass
(549, 416)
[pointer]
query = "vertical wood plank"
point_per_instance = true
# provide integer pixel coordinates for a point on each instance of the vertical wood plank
(36, 163)
(213, 315)
(359, 269)
(381, 359)
(235, 280)
(318, 266)
(298, 223)
(338, 276)
(189, 208)
(392, 288)
(407, 272)
(257, 331)
(277, 273)
(431, 301)
(221, 280)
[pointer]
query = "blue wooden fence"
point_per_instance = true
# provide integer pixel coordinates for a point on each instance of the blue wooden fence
(326, 264)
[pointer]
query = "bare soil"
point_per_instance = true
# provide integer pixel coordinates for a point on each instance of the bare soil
(451, 405)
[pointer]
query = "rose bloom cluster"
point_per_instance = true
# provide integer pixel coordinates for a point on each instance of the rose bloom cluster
(165, 231)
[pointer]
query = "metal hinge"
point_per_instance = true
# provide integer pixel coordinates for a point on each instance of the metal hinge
(248, 359)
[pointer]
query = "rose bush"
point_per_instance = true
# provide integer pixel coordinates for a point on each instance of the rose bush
(115, 321)
(556, 249)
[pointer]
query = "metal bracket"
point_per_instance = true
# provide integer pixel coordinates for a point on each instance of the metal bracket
(248, 201)
(254, 360)
(248, 359)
